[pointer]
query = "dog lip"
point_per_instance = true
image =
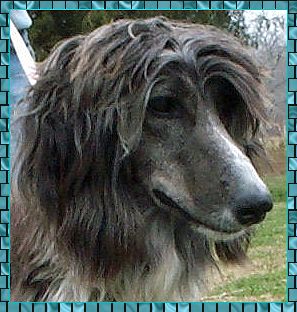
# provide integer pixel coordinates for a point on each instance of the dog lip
(166, 201)
(257, 219)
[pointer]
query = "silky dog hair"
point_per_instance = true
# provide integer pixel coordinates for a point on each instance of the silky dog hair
(84, 225)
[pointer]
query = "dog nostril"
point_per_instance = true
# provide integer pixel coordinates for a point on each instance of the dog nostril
(253, 208)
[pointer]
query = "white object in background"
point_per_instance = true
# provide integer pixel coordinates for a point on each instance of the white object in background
(21, 19)
(25, 58)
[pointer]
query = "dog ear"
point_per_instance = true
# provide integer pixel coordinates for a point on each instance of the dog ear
(63, 141)
(69, 160)
(36, 164)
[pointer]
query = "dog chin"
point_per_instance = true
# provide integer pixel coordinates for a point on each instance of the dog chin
(218, 235)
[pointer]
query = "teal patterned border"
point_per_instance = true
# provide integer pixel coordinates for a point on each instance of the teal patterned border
(5, 305)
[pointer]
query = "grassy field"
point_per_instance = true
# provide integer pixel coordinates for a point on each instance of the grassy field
(264, 277)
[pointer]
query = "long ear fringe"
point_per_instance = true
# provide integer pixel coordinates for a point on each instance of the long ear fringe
(42, 135)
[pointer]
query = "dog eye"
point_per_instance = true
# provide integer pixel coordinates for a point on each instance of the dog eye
(164, 106)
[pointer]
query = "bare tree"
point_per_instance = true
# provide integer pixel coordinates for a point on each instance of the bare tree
(265, 33)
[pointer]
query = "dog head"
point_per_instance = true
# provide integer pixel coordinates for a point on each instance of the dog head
(202, 117)
(143, 118)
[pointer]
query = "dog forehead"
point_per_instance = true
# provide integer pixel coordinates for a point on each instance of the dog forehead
(190, 44)
(197, 35)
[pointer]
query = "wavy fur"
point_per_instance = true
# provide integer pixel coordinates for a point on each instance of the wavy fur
(78, 224)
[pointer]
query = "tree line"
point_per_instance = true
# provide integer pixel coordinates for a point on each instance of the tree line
(50, 27)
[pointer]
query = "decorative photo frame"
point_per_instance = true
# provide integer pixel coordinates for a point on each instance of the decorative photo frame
(291, 113)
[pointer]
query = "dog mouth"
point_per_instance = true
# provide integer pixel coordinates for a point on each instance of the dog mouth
(198, 226)
(218, 234)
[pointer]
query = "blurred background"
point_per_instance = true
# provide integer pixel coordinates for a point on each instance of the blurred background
(264, 32)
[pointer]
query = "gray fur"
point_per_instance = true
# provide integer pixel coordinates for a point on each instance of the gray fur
(85, 225)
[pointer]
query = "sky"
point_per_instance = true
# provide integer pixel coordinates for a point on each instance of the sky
(251, 15)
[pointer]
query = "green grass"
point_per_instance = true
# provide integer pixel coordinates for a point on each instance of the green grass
(265, 278)
(277, 186)
(272, 232)
(268, 285)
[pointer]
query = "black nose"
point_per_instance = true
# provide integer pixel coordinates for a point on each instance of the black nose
(251, 208)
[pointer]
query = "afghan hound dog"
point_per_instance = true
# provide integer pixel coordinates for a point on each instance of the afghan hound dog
(135, 171)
